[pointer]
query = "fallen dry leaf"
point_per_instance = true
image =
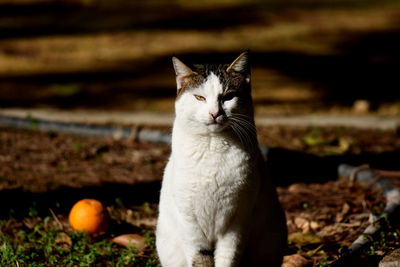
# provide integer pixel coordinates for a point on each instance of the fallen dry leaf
(305, 225)
(295, 260)
(332, 230)
(305, 238)
(63, 241)
(312, 140)
(302, 224)
(351, 225)
(345, 211)
(131, 240)
(132, 218)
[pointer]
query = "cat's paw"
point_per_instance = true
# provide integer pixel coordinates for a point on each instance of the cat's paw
(204, 258)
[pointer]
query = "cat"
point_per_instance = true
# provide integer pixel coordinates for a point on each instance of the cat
(217, 207)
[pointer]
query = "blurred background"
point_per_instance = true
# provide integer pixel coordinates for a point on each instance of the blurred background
(319, 56)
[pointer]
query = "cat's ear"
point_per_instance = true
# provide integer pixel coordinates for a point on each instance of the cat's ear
(181, 71)
(241, 65)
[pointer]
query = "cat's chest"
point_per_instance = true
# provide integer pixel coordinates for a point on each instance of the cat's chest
(212, 175)
(213, 164)
(211, 183)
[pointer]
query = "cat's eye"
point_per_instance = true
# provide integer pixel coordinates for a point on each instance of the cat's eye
(200, 98)
(228, 96)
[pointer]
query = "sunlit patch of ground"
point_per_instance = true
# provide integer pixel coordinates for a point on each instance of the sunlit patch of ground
(291, 44)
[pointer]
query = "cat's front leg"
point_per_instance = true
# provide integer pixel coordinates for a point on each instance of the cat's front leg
(228, 250)
(198, 249)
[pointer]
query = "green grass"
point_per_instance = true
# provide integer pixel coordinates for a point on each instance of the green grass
(36, 241)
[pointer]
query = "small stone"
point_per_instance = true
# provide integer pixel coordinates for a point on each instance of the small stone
(314, 225)
(295, 188)
(391, 260)
(361, 106)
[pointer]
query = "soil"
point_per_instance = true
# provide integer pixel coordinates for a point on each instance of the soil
(325, 214)
(39, 162)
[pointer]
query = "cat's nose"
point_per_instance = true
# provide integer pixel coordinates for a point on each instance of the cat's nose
(214, 114)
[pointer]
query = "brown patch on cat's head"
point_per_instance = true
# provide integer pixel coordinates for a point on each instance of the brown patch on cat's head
(186, 78)
(234, 77)
(189, 82)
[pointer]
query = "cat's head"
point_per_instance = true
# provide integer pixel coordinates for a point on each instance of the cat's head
(211, 98)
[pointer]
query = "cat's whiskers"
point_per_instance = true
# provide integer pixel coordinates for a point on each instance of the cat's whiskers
(245, 131)
(249, 126)
(249, 140)
(244, 118)
(237, 132)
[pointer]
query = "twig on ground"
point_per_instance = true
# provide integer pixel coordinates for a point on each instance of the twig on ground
(56, 219)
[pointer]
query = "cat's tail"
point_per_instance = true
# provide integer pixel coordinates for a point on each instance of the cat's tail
(203, 258)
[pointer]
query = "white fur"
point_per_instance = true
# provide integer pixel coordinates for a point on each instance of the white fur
(196, 114)
(213, 195)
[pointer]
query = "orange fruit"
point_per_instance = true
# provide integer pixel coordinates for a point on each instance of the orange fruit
(89, 216)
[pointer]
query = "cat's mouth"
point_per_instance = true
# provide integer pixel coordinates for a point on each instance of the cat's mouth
(217, 126)
(218, 121)
(215, 123)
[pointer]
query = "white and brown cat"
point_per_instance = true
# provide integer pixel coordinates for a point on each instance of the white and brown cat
(217, 206)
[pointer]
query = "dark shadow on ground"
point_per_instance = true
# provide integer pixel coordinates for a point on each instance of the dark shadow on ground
(285, 168)
(16, 202)
(56, 18)
(365, 67)
(32, 19)
(99, 87)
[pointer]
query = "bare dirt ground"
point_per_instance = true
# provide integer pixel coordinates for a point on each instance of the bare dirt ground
(324, 214)
(37, 162)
